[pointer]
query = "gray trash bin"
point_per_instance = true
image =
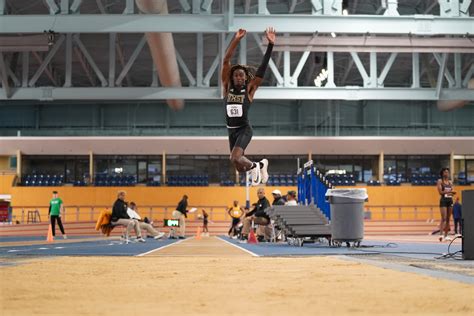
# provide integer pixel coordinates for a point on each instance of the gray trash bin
(347, 214)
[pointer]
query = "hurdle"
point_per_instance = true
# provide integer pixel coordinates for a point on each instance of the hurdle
(312, 188)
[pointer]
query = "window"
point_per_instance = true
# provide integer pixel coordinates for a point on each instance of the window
(13, 162)
(404, 168)
(364, 168)
(72, 168)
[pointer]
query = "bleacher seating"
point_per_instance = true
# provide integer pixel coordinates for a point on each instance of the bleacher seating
(188, 181)
(153, 183)
(424, 179)
(373, 183)
(106, 180)
(341, 179)
(45, 180)
(277, 180)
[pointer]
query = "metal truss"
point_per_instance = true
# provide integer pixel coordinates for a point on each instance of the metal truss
(453, 64)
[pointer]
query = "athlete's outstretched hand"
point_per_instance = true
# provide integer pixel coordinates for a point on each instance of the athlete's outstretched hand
(271, 35)
(240, 34)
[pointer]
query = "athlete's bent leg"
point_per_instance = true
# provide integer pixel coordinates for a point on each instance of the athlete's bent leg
(241, 163)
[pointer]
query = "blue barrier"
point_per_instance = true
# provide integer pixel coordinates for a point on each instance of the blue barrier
(312, 188)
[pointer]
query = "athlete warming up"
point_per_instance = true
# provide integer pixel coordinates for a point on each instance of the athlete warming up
(240, 82)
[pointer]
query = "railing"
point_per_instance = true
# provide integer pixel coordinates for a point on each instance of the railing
(403, 212)
(78, 213)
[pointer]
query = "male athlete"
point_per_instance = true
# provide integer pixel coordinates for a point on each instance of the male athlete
(240, 83)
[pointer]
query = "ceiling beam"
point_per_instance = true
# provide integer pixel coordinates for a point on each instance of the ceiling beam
(269, 93)
(216, 23)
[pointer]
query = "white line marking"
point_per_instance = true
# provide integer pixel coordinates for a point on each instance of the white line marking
(14, 250)
(163, 247)
(248, 251)
(43, 248)
(58, 247)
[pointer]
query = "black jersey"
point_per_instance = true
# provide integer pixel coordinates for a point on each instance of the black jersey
(446, 188)
(237, 104)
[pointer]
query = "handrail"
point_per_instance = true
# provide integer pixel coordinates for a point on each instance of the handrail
(91, 212)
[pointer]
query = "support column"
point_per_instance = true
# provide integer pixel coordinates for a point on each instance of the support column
(91, 167)
(310, 156)
(163, 168)
(381, 161)
(451, 165)
(18, 165)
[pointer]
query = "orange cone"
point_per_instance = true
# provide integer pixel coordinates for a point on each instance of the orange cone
(49, 237)
(198, 233)
(252, 239)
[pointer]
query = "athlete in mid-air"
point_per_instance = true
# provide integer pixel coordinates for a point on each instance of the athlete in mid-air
(240, 82)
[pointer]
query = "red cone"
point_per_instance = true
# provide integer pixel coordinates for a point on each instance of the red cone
(252, 239)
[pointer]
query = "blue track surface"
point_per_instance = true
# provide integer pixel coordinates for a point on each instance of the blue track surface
(85, 248)
(411, 250)
(36, 238)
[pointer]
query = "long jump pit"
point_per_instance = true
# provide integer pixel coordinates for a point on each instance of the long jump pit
(218, 276)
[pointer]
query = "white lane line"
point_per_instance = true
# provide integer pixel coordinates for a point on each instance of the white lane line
(163, 247)
(59, 247)
(43, 248)
(248, 251)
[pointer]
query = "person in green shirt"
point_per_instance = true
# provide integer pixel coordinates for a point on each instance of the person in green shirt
(55, 209)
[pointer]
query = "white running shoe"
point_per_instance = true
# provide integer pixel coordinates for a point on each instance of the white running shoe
(447, 238)
(140, 239)
(255, 176)
(160, 235)
(264, 171)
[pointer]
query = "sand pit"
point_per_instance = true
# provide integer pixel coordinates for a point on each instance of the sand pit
(216, 284)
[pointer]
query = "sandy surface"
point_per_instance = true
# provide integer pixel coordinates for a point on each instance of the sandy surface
(214, 278)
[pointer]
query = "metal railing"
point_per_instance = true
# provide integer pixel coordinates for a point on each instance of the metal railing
(81, 213)
(403, 212)
(78, 213)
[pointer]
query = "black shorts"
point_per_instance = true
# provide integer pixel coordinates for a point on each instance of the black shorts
(240, 137)
(235, 221)
(443, 202)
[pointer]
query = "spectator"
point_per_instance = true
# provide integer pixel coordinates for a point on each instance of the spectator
(277, 199)
(457, 215)
(132, 213)
(56, 207)
(446, 191)
(120, 217)
(205, 221)
(291, 198)
(258, 216)
(181, 214)
(235, 211)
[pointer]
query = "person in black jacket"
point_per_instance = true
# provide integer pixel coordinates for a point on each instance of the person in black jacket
(277, 198)
(120, 217)
(258, 216)
(181, 214)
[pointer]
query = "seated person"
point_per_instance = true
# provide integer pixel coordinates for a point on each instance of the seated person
(132, 212)
(258, 216)
(235, 211)
(120, 217)
(277, 198)
(291, 199)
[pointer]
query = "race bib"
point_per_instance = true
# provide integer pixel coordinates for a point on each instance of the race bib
(234, 110)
